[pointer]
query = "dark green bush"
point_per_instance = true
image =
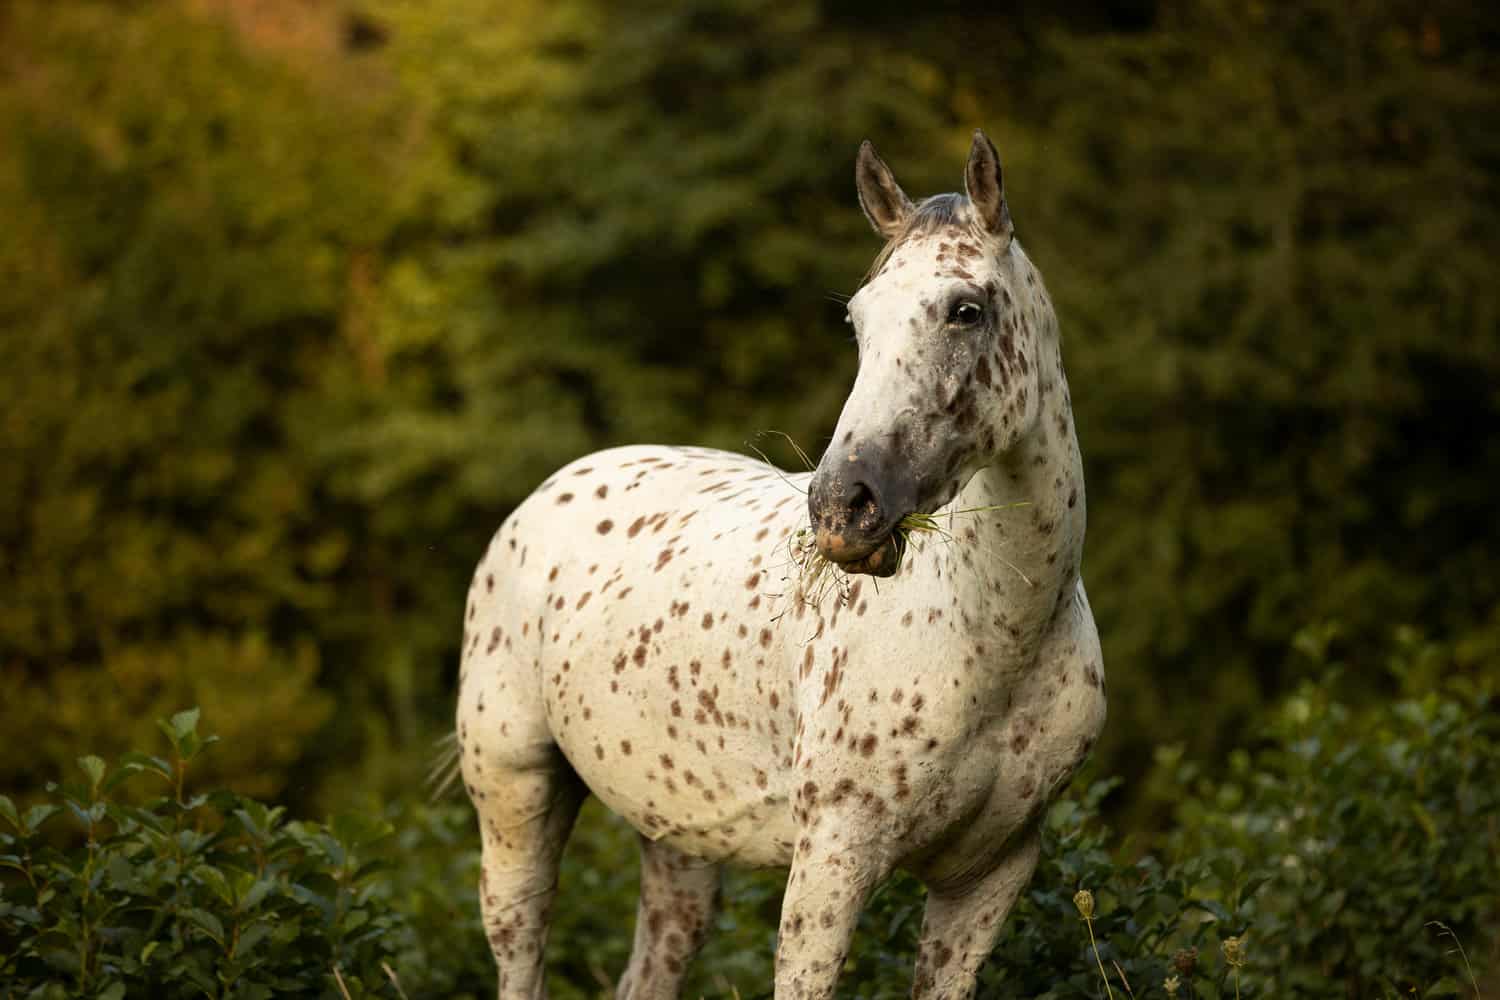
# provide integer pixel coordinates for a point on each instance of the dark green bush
(187, 895)
(1351, 852)
(1331, 854)
(1368, 833)
(1328, 852)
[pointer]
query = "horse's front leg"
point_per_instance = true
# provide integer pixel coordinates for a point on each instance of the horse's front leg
(959, 928)
(830, 880)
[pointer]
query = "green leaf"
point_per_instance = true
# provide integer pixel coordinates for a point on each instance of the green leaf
(1445, 987)
(251, 937)
(371, 868)
(1424, 820)
(185, 723)
(1213, 906)
(36, 816)
(1251, 887)
(357, 831)
(216, 882)
(117, 777)
(114, 991)
(198, 975)
(205, 922)
(84, 816)
(9, 814)
(182, 732)
(136, 761)
(257, 893)
(93, 767)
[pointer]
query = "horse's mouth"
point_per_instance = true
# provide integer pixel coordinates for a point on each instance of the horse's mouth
(883, 559)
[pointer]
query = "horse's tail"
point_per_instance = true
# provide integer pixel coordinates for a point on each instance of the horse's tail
(442, 776)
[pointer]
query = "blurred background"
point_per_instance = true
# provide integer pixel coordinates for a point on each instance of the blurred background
(298, 298)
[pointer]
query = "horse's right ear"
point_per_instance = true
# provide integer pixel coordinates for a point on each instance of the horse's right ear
(985, 186)
(885, 204)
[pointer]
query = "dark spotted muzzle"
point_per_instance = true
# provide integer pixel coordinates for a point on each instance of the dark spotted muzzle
(850, 504)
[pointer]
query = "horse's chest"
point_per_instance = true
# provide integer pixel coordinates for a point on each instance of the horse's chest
(1009, 756)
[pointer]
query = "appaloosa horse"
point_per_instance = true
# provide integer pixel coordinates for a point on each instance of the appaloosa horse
(639, 630)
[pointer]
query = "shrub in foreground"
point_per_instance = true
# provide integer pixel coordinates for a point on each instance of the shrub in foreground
(1319, 867)
(187, 895)
(1348, 856)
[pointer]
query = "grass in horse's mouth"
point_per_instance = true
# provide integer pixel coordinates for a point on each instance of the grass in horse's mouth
(819, 574)
(921, 524)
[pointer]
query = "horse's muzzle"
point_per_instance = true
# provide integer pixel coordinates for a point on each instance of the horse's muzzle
(852, 526)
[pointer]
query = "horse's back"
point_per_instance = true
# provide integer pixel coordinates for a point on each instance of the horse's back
(634, 520)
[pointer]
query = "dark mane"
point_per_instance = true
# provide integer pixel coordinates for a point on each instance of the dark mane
(941, 211)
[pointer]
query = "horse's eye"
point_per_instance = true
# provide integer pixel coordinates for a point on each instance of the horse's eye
(965, 313)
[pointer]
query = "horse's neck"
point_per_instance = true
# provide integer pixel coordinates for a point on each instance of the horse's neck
(1011, 567)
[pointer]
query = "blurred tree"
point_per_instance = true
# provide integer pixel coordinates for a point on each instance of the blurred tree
(301, 352)
(293, 317)
(179, 226)
(1271, 231)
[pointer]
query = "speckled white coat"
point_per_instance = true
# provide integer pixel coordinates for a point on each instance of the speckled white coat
(638, 630)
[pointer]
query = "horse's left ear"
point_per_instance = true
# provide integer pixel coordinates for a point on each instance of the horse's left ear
(986, 186)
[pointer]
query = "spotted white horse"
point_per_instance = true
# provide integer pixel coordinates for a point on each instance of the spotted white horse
(639, 629)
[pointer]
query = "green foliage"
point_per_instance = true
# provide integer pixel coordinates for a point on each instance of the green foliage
(433, 885)
(170, 273)
(287, 333)
(1328, 853)
(287, 361)
(284, 335)
(1147, 913)
(1362, 829)
(1331, 852)
(187, 895)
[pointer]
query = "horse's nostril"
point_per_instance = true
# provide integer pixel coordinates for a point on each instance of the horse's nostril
(864, 509)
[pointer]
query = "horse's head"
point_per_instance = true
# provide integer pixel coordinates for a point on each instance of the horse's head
(946, 325)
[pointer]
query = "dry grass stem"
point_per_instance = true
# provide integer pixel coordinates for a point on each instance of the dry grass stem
(1458, 946)
(1089, 921)
(443, 774)
(1084, 900)
(1234, 954)
(390, 974)
(339, 978)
